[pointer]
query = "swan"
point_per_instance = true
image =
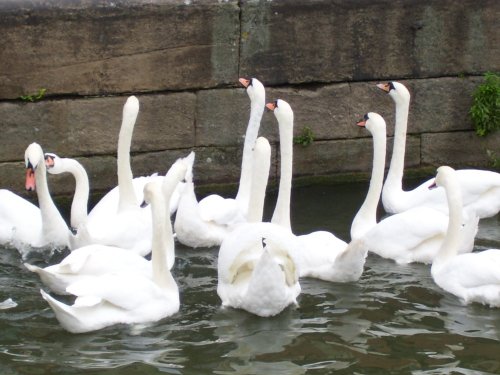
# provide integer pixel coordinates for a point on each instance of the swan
(24, 225)
(473, 277)
(117, 220)
(79, 206)
(93, 260)
(227, 210)
(414, 235)
(205, 223)
(322, 254)
(480, 188)
(257, 270)
(123, 296)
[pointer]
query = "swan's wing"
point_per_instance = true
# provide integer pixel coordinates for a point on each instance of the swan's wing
(477, 269)
(223, 211)
(125, 291)
(19, 218)
(398, 235)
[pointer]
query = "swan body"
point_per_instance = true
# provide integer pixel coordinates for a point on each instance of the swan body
(229, 211)
(125, 297)
(22, 224)
(93, 260)
(125, 224)
(322, 255)
(414, 235)
(480, 188)
(257, 269)
(473, 277)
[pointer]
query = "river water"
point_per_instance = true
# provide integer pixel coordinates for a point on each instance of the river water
(394, 320)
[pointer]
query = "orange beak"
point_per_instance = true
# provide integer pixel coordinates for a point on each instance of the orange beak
(245, 82)
(271, 106)
(30, 179)
(384, 87)
(361, 123)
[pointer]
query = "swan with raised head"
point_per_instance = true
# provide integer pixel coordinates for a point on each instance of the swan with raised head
(257, 269)
(93, 260)
(205, 223)
(22, 224)
(123, 296)
(414, 235)
(473, 277)
(480, 188)
(117, 220)
(322, 255)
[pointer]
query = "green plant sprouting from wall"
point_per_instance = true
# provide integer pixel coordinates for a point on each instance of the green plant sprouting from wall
(305, 138)
(494, 159)
(34, 97)
(485, 109)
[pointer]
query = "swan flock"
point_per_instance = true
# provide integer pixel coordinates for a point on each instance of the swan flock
(110, 280)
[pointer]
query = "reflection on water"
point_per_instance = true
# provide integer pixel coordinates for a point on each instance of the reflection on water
(393, 320)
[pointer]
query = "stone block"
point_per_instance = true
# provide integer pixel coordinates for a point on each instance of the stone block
(91, 126)
(89, 48)
(292, 41)
(459, 149)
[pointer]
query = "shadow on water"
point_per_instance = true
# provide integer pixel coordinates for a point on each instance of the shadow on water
(394, 320)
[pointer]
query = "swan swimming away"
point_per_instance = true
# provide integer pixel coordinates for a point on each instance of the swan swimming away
(480, 188)
(22, 224)
(473, 277)
(257, 269)
(94, 260)
(123, 296)
(205, 223)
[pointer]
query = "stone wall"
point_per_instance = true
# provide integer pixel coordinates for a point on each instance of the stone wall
(183, 59)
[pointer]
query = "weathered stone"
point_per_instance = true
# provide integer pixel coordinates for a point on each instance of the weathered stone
(292, 41)
(91, 126)
(113, 47)
(459, 149)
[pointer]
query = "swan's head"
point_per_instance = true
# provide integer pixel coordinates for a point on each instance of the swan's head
(373, 122)
(178, 170)
(255, 89)
(32, 158)
(262, 146)
(53, 163)
(152, 189)
(444, 176)
(281, 110)
(397, 91)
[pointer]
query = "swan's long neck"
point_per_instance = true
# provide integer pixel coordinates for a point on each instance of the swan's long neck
(281, 215)
(260, 175)
(125, 177)
(451, 243)
(366, 217)
(394, 181)
(256, 111)
(79, 206)
(162, 244)
(52, 220)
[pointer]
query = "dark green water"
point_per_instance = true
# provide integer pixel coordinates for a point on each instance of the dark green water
(394, 320)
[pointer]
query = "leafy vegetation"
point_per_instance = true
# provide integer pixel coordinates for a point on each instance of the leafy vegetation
(34, 97)
(305, 138)
(494, 159)
(485, 109)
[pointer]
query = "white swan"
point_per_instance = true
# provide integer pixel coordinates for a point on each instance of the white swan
(257, 268)
(205, 223)
(322, 254)
(414, 235)
(480, 189)
(473, 277)
(94, 260)
(79, 206)
(117, 220)
(227, 210)
(127, 297)
(22, 224)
